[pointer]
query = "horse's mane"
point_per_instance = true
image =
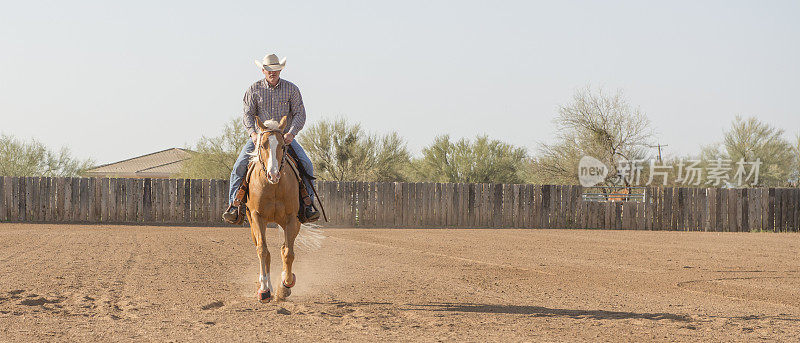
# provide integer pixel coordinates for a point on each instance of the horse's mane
(271, 125)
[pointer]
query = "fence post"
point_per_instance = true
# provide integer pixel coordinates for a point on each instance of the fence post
(780, 210)
(711, 206)
(4, 205)
(14, 205)
(794, 209)
(33, 209)
(3, 199)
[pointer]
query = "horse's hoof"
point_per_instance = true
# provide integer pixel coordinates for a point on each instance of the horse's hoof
(294, 279)
(264, 296)
(283, 293)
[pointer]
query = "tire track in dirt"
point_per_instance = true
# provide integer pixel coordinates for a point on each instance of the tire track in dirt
(111, 295)
(429, 253)
(418, 314)
(687, 285)
(380, 316)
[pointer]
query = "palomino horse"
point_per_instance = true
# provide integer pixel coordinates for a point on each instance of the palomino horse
(273, 198)
(621, 194)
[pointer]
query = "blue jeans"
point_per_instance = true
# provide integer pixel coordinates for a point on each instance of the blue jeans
(240, 167)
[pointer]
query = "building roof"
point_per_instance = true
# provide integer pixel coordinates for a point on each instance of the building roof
(161, 164)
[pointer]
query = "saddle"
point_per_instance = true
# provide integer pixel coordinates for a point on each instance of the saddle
(240, 199)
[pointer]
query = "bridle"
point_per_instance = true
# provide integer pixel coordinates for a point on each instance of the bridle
(279, 135)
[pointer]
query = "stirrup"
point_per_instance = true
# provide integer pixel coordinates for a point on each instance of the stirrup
(311, 216)
(238, 205)
(239, 211)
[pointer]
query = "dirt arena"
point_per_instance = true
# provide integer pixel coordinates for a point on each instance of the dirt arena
(121, 283)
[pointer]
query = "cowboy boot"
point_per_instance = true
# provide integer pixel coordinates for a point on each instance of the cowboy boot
(234, 213)
(231, 215)
(308, 212)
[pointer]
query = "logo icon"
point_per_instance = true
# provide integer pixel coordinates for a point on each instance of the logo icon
(591, 171)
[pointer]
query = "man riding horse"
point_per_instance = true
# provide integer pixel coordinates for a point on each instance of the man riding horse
(272, 98)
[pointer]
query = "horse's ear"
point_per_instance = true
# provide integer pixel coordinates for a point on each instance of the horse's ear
(282, 123)
(260, 125)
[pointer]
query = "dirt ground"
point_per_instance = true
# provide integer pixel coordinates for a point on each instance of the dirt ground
(114, 283)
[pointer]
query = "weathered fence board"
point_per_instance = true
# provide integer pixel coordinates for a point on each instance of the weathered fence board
(416, 205)
(3, 201)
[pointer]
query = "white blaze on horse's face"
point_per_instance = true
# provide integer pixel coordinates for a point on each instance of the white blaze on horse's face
(272, 164)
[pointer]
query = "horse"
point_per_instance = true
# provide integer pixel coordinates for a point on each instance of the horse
(272, 197)
(621, 194)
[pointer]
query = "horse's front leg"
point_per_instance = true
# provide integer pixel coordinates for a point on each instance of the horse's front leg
(290, 231)
(258, 228)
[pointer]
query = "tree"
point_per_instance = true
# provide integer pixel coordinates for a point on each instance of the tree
(603, 126)
(479, 161)
(750, 139)
(18, 158)
(214, 156)
(342, 151)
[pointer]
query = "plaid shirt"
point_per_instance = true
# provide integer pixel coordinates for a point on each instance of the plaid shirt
(272, 103)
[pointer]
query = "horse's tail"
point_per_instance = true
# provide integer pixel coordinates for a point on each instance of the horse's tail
(310, 237)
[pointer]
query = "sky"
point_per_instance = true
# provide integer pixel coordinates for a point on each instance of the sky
(113, 80)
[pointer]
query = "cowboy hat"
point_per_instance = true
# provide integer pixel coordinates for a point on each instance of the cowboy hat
(271, 63)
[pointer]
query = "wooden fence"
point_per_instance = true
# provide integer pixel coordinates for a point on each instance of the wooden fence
(420, 205)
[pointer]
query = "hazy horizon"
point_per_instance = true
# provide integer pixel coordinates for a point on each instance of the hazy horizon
(115, 81)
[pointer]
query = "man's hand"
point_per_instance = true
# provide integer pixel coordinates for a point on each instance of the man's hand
(254, 137)
(287, 138)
